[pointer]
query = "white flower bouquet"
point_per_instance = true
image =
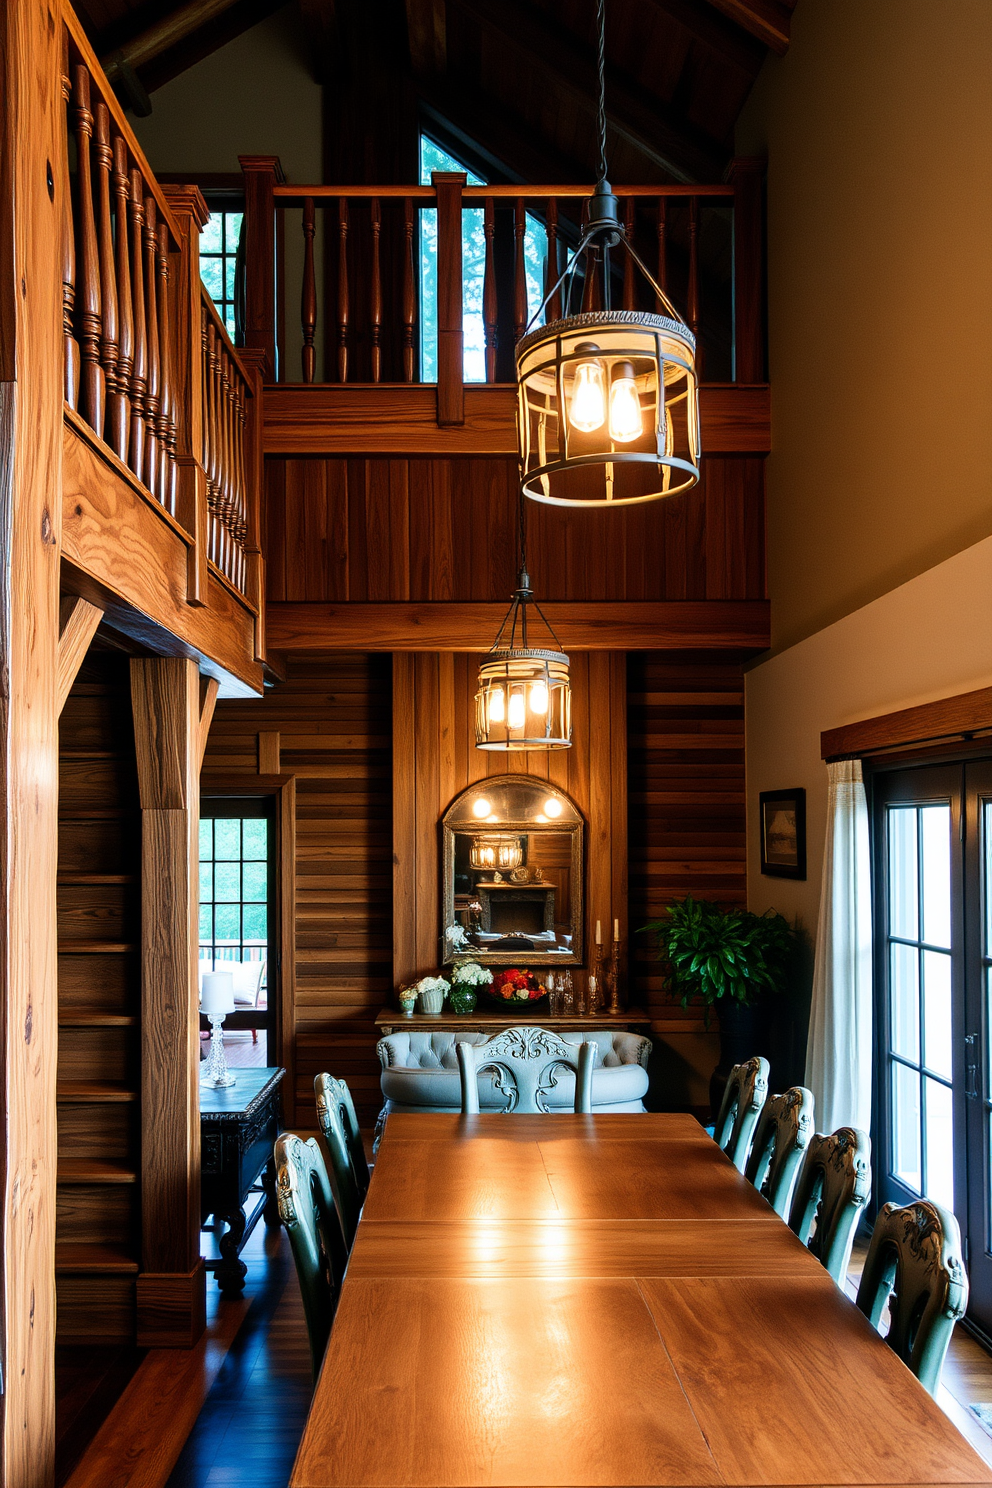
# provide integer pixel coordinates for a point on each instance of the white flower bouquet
(431, 992)
(471, 974)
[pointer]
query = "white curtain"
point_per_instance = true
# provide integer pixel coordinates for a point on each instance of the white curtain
(839, 1052)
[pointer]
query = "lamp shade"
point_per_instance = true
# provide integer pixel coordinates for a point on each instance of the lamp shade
(502, 850)
(524, 700)
(217, 996)
(608, 409)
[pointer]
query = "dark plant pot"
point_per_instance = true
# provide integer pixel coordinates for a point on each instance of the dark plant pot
(743, 1032)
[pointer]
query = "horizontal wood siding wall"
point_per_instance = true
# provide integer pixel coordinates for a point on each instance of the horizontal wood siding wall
(377, 529)
(333, 718)
(685, 718)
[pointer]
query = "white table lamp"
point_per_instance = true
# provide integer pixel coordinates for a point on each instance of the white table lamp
(216, 1001)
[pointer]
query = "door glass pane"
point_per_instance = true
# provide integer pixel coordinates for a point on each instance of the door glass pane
(987, 874)
(904, 1000)
(937, 1012)
(906, 1163)
(903, 887)
(935, 835)
(940, 1144)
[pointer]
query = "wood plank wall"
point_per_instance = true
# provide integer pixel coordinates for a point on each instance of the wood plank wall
(98, 1219)
(434, 759)
(332, 717)
(416, 528)
(686, 793)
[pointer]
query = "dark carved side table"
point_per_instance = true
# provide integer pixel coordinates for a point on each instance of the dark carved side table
(237, 1129)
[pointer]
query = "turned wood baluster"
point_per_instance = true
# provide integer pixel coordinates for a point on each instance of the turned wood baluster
(167, 404)
(208, 435)
(693, 290)
(70, 344)
(217, 445)
(139, 370)
(629, 284)
(551, 269)
(490, 304)
(89, 286)
(409, 291)
(519, 269)
(153, 391)
(375, 316)
(116, 430)
(240, 484)
(308, 301)
(227, 427)
(342, 289)
(662, 231)
(125, 317)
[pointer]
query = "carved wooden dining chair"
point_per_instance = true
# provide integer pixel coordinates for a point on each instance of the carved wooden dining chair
(914, 1264)
(345, 1180)
(307, 1209)
(525, 1064)
(781, 1138)
(833, 1187)
(746, 1093)
(329, 1091)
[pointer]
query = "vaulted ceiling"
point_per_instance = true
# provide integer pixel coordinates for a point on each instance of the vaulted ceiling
(516, 76)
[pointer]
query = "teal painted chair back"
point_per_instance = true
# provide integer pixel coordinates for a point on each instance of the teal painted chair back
(306, 1208)
(746, 1093)
(833, 1187)
(914, 1264)
(525, 1064)
(331, 1092)
(340, 1168)
(781, 1139)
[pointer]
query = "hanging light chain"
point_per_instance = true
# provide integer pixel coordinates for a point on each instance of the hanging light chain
(601, 66)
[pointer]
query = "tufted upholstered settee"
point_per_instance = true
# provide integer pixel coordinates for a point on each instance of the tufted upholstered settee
(420, 1072)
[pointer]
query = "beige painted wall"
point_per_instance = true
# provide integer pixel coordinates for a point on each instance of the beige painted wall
(926, 639)
(255, 96)
(878, 130)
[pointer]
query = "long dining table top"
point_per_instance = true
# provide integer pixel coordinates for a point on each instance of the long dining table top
(571, 1301)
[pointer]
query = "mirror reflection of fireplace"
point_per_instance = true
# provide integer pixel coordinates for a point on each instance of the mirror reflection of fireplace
(512, 889)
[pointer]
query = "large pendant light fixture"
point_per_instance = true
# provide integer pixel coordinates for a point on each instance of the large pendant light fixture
(607, 400)
(524, 699)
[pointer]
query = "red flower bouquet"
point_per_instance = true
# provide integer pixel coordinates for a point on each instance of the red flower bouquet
(517, 986)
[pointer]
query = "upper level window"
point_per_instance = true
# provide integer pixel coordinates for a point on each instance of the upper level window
(218, 261)
(434, 158)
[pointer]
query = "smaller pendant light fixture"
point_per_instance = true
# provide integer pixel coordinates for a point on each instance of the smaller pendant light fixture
(607, 400)
(524, 699)
(499, 850)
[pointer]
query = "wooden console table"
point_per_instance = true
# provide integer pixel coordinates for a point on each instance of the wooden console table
(238, 1126)
(486, 1020)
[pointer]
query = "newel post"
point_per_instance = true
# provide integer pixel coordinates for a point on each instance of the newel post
(252, 359)
(746, 175)
(191, 213)
(450, 363)
(261, 173)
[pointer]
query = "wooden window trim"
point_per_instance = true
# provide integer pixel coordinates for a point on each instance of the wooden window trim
(965, 716)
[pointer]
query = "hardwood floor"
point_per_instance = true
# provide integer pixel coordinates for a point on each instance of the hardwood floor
(251, 1422)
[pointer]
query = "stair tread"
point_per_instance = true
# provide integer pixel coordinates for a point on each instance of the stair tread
(87, 1170)
(95, 1018)
(76, 1091)
(77, 1256)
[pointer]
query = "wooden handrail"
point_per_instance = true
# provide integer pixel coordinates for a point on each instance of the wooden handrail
(293, 195)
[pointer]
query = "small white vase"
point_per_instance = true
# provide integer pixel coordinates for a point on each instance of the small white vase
(432, 1002)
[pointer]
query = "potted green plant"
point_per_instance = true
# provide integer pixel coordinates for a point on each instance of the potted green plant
(730, 959)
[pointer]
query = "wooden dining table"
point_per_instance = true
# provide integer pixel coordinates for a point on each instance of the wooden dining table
(566, 1301)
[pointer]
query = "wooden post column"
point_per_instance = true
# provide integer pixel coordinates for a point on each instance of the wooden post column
(32, 155)
(261, 173)
(165, 695)
(746, 175)
(450, 339)
(191, 212)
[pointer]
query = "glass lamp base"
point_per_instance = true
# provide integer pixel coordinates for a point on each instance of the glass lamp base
(216, 1075)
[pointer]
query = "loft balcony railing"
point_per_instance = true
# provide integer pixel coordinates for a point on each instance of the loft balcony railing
(373, 289)
(150, 370)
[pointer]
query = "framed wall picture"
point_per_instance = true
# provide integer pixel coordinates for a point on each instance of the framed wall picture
(783, 833)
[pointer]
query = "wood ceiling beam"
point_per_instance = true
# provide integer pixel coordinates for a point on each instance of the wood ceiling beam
(644, 625)
(162, 36)
(768, 20)
(638, 116)
(741, 49)
(426, 28)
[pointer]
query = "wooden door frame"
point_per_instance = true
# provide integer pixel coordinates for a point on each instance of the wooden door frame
(283, 788)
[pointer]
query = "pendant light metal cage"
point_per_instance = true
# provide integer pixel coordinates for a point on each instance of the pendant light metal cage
(650, 451)
(524, 699)
(500, 851)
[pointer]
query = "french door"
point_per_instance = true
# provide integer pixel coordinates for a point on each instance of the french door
(933, 905)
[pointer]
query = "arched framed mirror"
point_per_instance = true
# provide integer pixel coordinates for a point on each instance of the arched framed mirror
(513, 874)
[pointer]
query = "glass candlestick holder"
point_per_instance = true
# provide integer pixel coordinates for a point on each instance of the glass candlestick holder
(216, 1075)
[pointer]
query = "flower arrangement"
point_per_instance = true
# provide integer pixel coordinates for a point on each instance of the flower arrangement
(456, 937)
(432, 984)
(471, 974)
(517, 985)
